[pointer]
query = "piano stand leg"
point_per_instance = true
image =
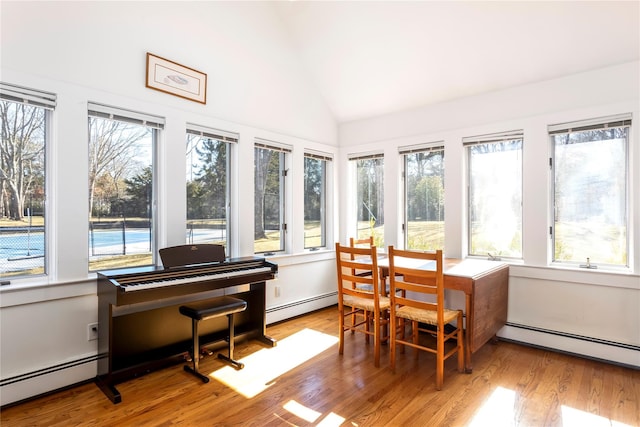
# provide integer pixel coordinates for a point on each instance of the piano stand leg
(204, 378)
(271, 342)
(109, 390)
(234, 363)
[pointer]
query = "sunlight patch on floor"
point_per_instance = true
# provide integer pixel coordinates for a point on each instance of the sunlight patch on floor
(572, 417)
(301, 411)
(498, 410)
(310, 415)
(265, 366)
(331, 420)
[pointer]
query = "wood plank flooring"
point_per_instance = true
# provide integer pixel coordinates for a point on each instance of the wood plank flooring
(306, 383)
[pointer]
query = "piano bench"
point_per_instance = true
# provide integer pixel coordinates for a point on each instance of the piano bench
(222, 306)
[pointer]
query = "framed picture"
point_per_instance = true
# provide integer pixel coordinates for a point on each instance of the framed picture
(171, 77)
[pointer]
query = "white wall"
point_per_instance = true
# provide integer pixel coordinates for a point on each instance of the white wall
(562, 308)
(96, 52)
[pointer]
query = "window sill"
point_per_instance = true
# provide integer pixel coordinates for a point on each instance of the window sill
(597, 277)
(301, 258)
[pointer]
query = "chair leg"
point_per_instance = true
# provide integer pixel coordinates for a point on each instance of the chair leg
(460, 343)
(230, 359)
(440, 359)
(376, 339)
(341, 332)
(367, 327)
(415, 334)
(195, 355)
(392, 343)
(354, 319)
(403, 331)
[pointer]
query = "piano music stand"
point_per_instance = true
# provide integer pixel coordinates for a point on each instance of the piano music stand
(181, 255)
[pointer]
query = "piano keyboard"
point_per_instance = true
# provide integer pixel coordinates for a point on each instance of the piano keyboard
(130, 287)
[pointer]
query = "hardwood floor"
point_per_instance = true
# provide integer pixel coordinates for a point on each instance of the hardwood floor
(304, 382)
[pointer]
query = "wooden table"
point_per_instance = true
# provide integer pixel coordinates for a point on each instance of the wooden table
(486, 287)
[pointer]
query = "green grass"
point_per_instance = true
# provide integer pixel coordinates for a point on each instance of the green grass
(35, 221)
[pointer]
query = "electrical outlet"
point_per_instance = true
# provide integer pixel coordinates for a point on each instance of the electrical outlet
(92, 331)
(277, 288)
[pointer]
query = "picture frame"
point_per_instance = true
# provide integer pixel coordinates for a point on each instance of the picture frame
(176, 79)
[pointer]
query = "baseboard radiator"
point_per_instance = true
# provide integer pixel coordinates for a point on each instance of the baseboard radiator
(29, 385)
(623, 354)
(296, 308)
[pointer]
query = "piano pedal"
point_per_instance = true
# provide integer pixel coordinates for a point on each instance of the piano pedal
(205, 352)
(187, 357)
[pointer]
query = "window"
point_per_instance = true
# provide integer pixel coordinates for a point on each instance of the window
(25, 117)
(369, 180)
(269, 215)
(495, 194)
(208, 171)
(121, 187)
(423, 197)
(590, 191)
(315, 200)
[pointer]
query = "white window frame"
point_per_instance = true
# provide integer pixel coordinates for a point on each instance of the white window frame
(230, 138)
(493, 138)
(156, 124)
(285, 151)
(619, 120)
(353, 161)
(324, 221)
(404, 152)
(47, 101)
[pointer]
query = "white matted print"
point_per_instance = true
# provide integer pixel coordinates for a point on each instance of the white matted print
(171, 77)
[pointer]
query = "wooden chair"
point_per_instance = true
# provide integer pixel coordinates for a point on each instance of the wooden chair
(358, 297)
(409, 271)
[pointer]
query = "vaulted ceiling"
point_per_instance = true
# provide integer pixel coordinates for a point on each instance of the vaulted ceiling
(373, 58)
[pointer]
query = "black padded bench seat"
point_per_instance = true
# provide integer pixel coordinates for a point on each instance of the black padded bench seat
(221, 306)
(197, 311)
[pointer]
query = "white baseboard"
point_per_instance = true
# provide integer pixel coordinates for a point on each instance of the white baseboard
(297, 308)
(617, 353)
(30, 385)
